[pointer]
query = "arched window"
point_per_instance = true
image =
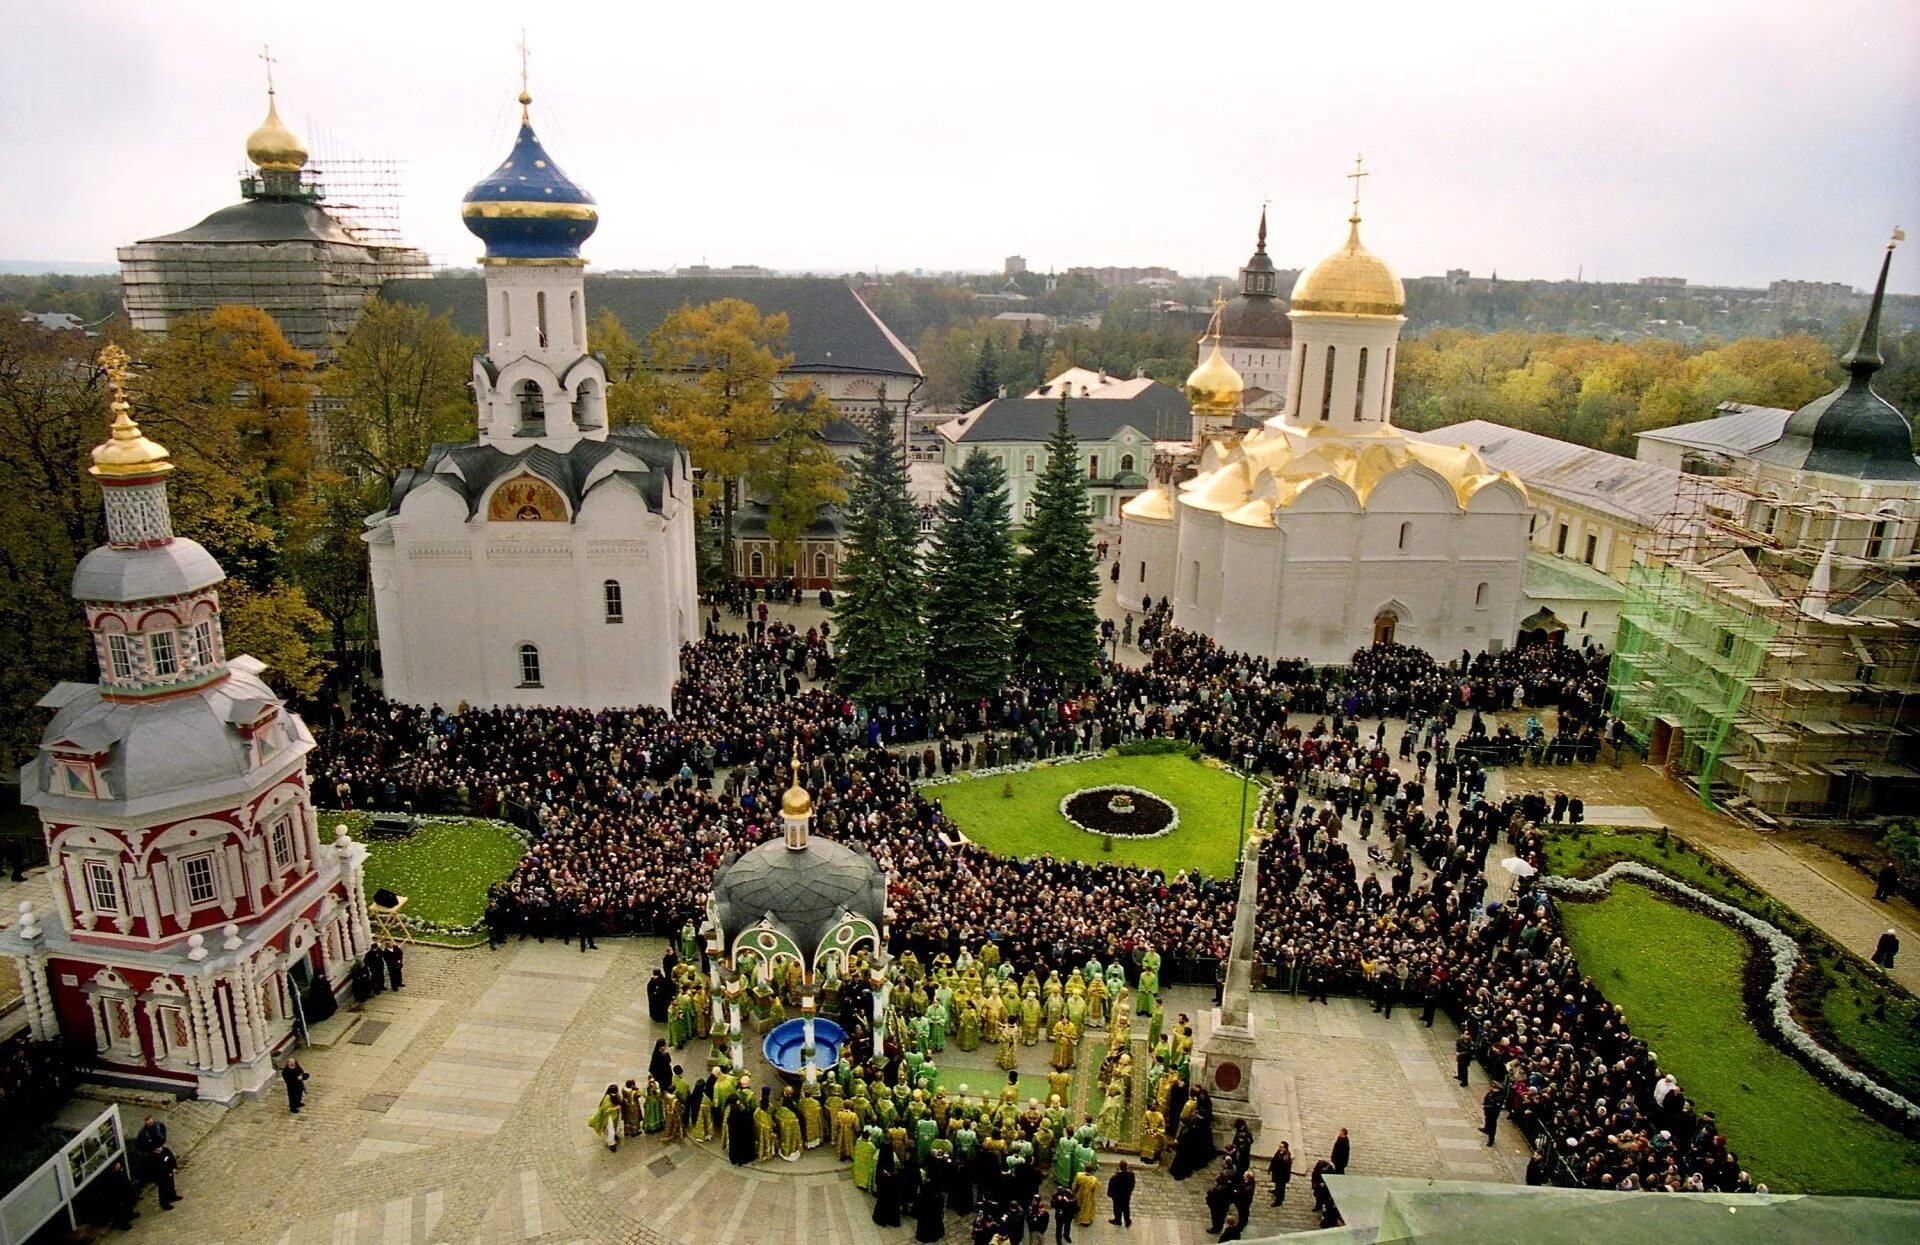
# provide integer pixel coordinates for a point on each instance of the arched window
(1326, 388)
(1126, 462)
(533, 409)
(506, 314)
(529, 665)
(1386, 386)
(1406, 534)
(756, 564)
(164, 652)
(1299, 375)
(1093, 466)
(819, 564)
(616, 608)
(573, 315)
(1480, 596)
(1360, 387)
(540, 314)
(584, 415)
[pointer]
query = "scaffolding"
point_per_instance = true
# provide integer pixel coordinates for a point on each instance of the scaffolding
(1769, 650)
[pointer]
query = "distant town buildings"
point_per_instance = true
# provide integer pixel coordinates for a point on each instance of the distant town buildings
(1015, 265)
(1127, 278)
(1811, 297)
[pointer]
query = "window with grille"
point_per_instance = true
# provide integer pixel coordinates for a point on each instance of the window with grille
(529, 665)
(164, 652)
(103, 888)
(203, 644)
(120, 656)
(616, 610)
(199, 874)
(282, 842)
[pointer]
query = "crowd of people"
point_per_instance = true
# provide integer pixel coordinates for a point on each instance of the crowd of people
(634, 810)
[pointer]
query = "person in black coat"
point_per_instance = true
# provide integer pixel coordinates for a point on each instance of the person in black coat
(743, 1142)
(1322, 1197)
(1236, 1227)
(1244, 1187)
(1342, 1151)
(1120, 1193)
(296, 1078)
(660, 1067)
(1280, 1171)
(1490, 1112)
(886, 1187)
(659, 997)
(396, 962)
(164, 1166)
(1886, 949)
(1219, 1200)
(1884, 883)
(930, 1207)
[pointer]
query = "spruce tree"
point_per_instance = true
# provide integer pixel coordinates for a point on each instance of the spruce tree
(984, 385)
(1056, 585)
(970, 583)
(879, 614)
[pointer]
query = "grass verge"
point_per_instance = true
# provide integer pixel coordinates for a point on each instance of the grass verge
(1678, 975)
(444, 868)
(1030, 823)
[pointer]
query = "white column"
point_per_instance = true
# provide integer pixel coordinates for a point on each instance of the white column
(212, 1030)
(239, 989)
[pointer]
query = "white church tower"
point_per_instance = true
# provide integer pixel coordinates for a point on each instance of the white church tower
(550, 561)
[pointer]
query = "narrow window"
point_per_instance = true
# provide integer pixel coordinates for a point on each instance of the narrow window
(1560, 541)
(1326, 388)
(103, 887)
(1360, 387)
(120, 656)
(1093, 466)
(820, 564)
(282, 843)
(1143, 572)
(506, 314)
(1877, 538)
(1299, 375)
(540, 315)
(1593, 547)
(1583, 618)
(757, 565)
(529, 665)
(200, 887)
(573, 315)
(1480, 597)
(1386, 386)
(533, 408)
(1406, 530)
(616, 610)
(203, 643)
(164, 653)
(1029, 464)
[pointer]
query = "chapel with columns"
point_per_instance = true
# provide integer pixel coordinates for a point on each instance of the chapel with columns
(198, 913)
(1327, 528)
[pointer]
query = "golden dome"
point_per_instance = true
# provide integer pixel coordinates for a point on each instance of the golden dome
(796, 802)
(1214, 385)
(127, 452)
(1352, 281)
(274, 147)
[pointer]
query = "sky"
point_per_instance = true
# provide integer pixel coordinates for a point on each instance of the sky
(1725, 141)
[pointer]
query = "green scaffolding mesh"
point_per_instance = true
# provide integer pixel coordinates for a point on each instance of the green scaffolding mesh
(1682, 664)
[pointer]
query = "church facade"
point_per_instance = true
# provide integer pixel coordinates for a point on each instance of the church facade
(1327, 528)
(550, 561)
(1254, 334)
(199, 913)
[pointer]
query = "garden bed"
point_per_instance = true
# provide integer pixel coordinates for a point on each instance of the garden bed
(1129, 812)
(444, 869)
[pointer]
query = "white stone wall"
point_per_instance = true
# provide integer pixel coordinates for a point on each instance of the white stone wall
(1147, 545)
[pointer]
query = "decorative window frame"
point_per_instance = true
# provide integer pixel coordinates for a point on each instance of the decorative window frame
(176, 1043)
(94, 872)
(209, 859)
(116, 1018)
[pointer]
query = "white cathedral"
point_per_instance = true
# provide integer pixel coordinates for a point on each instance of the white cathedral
(1327, 528)
(550, 561)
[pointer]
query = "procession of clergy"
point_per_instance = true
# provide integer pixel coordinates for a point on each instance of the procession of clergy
(909, 1142)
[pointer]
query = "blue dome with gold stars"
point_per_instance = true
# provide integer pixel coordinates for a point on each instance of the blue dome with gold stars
(527, 209)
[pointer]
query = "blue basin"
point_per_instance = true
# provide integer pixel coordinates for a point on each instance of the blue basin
(783, 1045)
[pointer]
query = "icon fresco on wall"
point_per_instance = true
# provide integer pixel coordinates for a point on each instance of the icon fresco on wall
(525, 499)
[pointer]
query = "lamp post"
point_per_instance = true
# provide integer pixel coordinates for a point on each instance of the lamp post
(1240, 827)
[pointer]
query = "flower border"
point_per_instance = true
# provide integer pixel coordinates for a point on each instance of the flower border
(1162, 832)
(1785, 955)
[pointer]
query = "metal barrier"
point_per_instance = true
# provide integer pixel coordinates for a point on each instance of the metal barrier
(51, 1188)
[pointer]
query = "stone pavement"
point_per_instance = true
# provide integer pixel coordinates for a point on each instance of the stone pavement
(464, 1120)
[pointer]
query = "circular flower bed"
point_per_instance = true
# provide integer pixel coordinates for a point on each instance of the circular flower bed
(1126, 812)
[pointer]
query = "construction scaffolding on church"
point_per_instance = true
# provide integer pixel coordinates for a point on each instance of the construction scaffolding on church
(1777, 677)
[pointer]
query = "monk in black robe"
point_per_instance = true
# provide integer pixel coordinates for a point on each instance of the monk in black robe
(743, 1143)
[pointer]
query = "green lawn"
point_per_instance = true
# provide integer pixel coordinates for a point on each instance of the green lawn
(1878, 1025)
(1677, 974)
(444, 869)
(1030, 823)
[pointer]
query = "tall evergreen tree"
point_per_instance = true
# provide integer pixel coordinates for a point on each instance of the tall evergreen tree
(1055, 586)
(970, 583)
(984, 385)
(880, 612)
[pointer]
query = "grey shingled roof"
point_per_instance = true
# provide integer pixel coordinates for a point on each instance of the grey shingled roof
(751, 521)
(1625, 487)
(171, 570)
(1739, 430)
(475, 466)
(264, 220)
(829, 327)
(803, 891)
(1160, 412)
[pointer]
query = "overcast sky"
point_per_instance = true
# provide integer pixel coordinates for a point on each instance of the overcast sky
(1731, 141)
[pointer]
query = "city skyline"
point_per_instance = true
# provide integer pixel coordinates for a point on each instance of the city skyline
(1731, 145)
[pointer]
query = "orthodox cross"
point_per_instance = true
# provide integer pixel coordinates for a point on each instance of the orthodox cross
(1359, 171)
(266, 54)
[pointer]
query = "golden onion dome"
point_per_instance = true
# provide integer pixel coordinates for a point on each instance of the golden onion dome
(796, 802)
(127, 452)
(1214, 385)
(1352, 281)
(274, 147)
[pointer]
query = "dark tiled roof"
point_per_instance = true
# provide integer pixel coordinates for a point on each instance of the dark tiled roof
(829, 328)
(264, 220)
(1159, 412)
(1852, 431)
(804, 892)
(751, 521)
(478, 466)
(1259, 318)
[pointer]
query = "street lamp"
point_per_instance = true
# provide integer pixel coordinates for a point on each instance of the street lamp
(1240, 828)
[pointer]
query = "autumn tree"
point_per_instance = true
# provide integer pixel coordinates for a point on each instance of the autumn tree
(727, 359)
(397, 386)
(795, 471)
(636, 395)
